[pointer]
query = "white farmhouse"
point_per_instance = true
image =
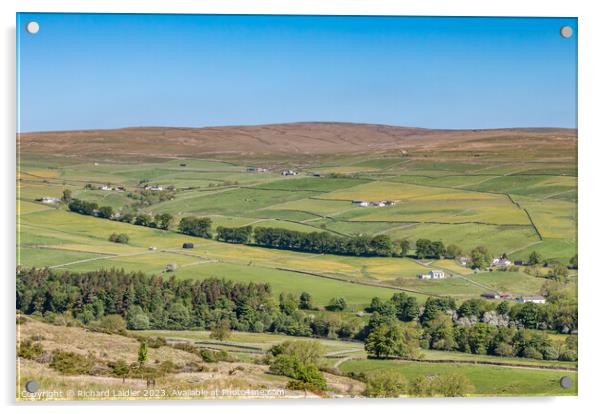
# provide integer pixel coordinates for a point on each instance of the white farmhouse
(361, 203)
(433, 274)
(501, 261)
(49, 200)
(532, 299)
(153, 187)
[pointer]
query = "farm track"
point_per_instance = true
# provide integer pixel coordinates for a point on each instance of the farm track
(106, 257)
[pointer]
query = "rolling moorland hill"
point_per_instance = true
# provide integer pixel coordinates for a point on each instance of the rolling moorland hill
(298, 139)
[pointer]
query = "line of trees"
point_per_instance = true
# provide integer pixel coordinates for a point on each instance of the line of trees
(327, 243)
(239, 235)
(90, 208)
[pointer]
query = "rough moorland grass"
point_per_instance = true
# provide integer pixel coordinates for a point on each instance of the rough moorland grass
(487, 380)
(106, 348)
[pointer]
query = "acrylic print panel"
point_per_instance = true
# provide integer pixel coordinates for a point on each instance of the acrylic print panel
(214, 207)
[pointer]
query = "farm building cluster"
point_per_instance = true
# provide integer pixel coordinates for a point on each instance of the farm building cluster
(151, 187)
(500, 261)
(537, 299)
(382, 203)
(257, 169)
(119, 189)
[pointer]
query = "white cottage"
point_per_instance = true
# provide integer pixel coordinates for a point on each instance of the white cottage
(433, 274)
(532, 299)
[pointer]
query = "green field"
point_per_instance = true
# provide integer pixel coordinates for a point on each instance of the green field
(487, 380)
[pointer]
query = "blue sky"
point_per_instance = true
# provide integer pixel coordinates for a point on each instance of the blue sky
(83, 71)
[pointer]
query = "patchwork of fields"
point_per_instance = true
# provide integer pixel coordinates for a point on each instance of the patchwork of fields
(508, 208)
(488, 195)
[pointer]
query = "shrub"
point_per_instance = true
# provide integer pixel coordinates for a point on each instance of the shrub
(139, 321)
(308, 352)
(119, 369)
(167, 366)
(568, 355)
(30, 350)
(452, 385)
(70, 363)
(221, 330)
(119, 238)
(156, 342)
(306, 373)
(214, 356)
(258, 326)
(337, 304)
(448, 385)
(550, 353)
(386, 384)
(532, 352)
(112, 324)
(421, 387)
(298, 360)
(504, 349)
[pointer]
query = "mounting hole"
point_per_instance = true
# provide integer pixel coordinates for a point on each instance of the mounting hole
(566, 31)
(32, 386)
(566, 382)
(32, 27)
